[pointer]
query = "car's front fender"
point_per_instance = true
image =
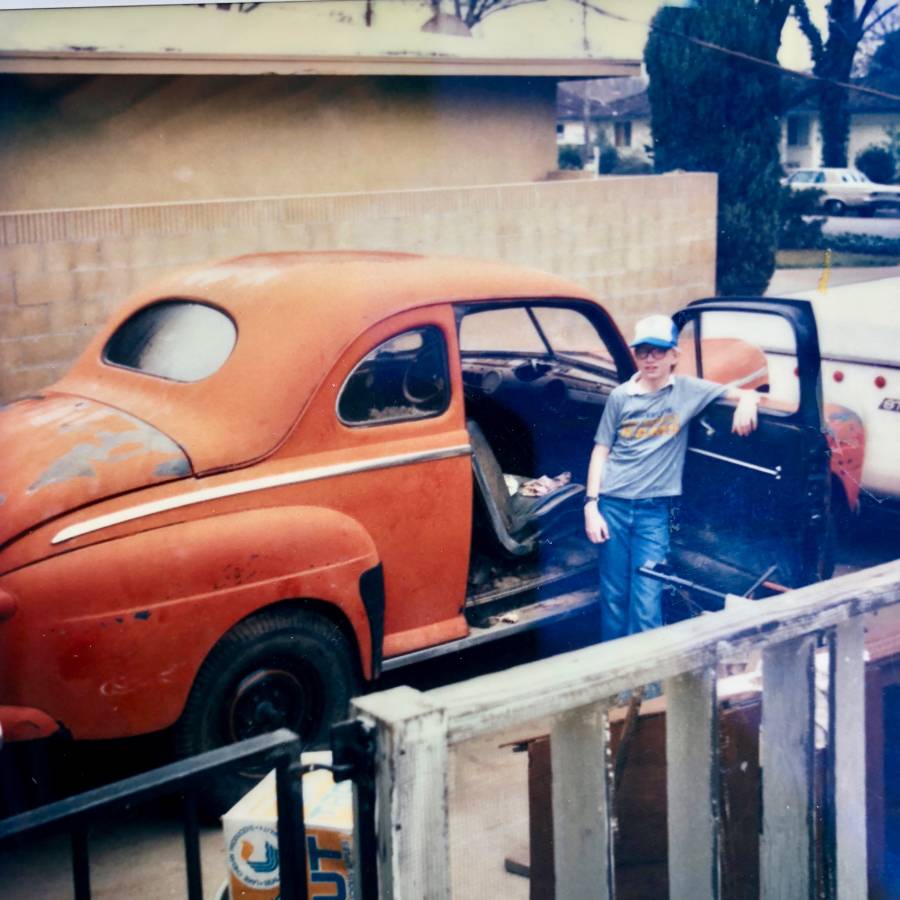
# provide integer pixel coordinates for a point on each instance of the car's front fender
(108, 639)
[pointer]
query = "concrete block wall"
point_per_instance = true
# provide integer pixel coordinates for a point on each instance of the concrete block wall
(641, 243)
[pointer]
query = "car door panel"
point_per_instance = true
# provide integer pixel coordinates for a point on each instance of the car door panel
(757, 504)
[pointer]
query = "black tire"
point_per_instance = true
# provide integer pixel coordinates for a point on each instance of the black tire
(834, 208)
(276, 669)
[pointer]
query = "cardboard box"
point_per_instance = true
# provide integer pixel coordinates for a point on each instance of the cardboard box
(251, 838)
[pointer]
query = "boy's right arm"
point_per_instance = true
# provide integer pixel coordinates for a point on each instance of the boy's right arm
(594, 524)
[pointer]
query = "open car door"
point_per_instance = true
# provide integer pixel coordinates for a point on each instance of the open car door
(754, 515)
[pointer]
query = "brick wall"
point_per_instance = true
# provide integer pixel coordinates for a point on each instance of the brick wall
(641, 243)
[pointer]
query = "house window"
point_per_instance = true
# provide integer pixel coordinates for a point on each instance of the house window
(622, 134)
(798, 131)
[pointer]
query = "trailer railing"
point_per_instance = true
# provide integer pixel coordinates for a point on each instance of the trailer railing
(279, 750)
(415, 731)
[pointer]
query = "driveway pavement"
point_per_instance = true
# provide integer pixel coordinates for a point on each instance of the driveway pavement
(790, 281)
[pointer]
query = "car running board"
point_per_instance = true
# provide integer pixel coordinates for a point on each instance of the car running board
(515, 621)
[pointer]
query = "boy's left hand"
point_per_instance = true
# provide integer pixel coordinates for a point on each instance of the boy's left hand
(745, 417)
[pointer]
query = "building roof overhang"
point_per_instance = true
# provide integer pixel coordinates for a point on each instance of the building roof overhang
(86, 62)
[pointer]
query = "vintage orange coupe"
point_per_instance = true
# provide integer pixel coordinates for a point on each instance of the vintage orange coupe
(271, 478)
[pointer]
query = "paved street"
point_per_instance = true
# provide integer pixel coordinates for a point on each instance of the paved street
(881, 225)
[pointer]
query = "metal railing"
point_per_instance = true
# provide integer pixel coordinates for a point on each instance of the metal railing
(279, 750)
(415, 731)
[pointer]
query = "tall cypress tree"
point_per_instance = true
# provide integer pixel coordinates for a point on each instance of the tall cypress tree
(712, 112)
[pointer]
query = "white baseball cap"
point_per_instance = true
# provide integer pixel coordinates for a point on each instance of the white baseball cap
(658, 331)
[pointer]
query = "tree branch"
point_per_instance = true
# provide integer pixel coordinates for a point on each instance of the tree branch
(810, 32)
(875, 22)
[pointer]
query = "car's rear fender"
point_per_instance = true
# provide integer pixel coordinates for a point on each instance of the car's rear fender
(111, 649)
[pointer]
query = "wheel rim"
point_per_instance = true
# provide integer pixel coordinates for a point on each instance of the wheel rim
(272, 698)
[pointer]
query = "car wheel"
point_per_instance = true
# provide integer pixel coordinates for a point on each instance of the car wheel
(834, 208)
(277, 669)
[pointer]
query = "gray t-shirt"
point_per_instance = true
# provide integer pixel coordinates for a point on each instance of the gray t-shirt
(647, 436)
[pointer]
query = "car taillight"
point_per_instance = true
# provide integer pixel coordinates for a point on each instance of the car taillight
(838, 376)
(8, 605)
(880, 381)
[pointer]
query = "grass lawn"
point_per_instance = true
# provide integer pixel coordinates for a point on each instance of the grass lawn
(815, 259)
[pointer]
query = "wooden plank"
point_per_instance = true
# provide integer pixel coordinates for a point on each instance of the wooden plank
(847, 731)
(512, 698)
(582, 807)
(411, 774)
(693, 786)
(787, 864)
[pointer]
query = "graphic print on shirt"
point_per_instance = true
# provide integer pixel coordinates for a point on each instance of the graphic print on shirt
(640, 429)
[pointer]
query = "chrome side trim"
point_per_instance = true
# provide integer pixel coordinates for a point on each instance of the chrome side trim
(254, 484)
(775, 473)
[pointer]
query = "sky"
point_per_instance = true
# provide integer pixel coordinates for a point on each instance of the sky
(794, 52)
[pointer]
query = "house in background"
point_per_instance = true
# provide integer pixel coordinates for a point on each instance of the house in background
(617, 113)
(872, 119)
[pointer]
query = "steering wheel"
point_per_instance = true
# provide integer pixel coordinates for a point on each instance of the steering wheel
(423, 380)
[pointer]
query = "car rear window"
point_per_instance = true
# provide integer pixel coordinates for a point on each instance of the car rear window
(180, 340)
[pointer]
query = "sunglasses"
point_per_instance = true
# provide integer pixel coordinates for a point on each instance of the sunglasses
(645, 350)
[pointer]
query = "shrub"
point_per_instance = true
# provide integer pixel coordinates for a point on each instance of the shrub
(877, 162)
(569, 157)
(873, 244)
(711, 113)
(794, 231)
(609, 159)
(632, 164)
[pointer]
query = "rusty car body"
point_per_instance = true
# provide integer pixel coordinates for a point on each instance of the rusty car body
(268, 479)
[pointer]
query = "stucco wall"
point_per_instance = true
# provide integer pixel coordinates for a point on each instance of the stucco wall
(86, 141)
(642, 243)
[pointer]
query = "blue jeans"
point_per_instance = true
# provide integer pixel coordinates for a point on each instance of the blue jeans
(638, 534)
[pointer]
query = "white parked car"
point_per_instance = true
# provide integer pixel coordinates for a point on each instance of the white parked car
(846, 190)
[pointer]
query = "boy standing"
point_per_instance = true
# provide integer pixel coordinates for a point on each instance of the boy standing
(635, 471)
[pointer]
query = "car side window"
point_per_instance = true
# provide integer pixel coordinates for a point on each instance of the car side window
(405, 377)
(820, 178)
(179, 340)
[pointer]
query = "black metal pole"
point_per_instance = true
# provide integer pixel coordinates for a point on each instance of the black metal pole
(291, 829)
(81, 867)
(192, 847)
(367, 850)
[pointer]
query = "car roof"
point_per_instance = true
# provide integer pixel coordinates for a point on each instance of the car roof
(295, 313)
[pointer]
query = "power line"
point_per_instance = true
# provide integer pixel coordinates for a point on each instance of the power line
(747, 57)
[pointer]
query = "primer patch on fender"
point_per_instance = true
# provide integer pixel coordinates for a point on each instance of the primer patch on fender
(106, 446)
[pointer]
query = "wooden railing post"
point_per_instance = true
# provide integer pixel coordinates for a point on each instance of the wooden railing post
(692, 786)
(411, 778)
(847, 758)
(787, 850)
(582, 804)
